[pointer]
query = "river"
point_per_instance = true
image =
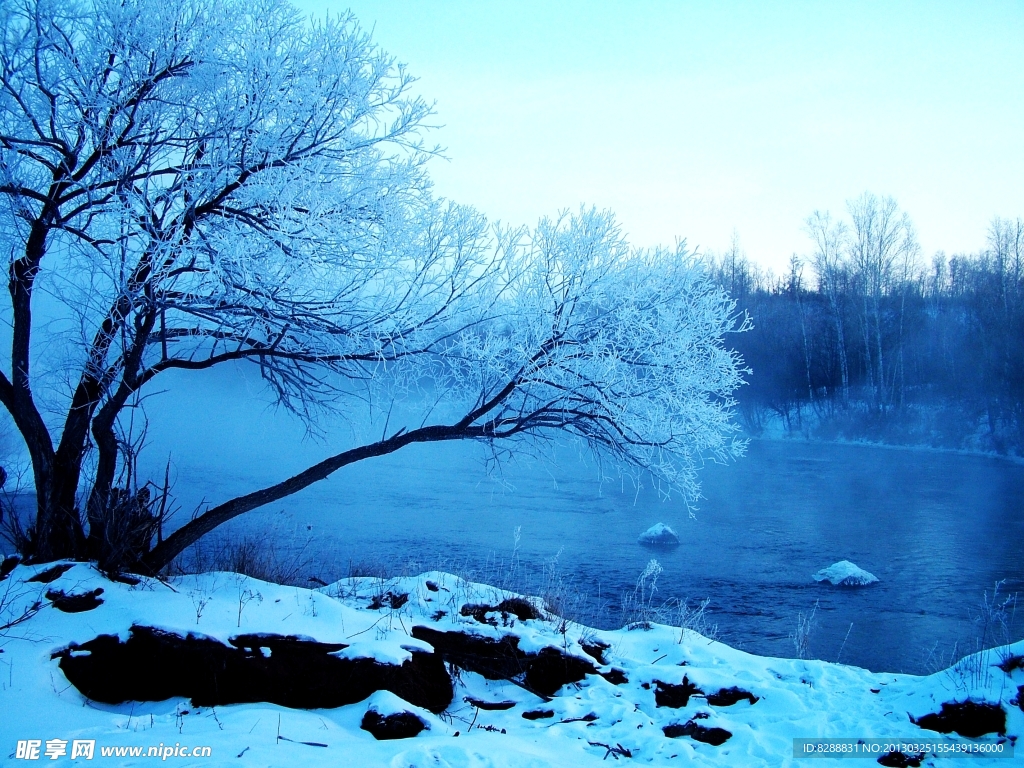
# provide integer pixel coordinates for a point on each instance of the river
(938, 530)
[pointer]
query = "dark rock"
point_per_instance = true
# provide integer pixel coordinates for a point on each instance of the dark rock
(432, 586)
(543, 673)
(84, 601)
(967, 718)
(52, 574)
(494, 659)
(154, 665)
(713, 736)
(726, 697)
(615, 677)
(400, 725)
(489, 705)
(479, 612)
(595, 649)
(123, 578)
(675, 696)
(8, 565)
(900, 760)
(1010, 663)
(393, 600)
(522, 609)
(539, 714)
(550, 669)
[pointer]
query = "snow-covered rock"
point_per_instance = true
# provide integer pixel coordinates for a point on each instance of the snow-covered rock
(659, 534)
(845, 574)
(389, 717)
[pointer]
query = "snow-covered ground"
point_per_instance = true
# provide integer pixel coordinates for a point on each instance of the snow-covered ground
(640, 682)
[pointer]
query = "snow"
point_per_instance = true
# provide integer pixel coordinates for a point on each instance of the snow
(384, 651)
(845, 574)
(386, 703)
(795, 698)
(659, 534)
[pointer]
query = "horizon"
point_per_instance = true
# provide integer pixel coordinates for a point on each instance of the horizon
(699, 122)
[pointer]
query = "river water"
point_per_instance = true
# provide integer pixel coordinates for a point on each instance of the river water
(938, 530)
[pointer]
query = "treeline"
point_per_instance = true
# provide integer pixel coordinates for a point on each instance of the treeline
(865, 339)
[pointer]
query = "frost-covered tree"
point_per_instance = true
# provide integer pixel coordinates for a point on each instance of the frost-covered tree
(187, 184)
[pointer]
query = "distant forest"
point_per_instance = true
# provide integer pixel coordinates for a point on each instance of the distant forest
(866, 340)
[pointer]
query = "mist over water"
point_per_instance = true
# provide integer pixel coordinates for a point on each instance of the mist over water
(938, 529)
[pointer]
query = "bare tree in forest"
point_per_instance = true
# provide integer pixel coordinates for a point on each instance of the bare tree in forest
(882, 250)
(1003, 322)
(796, 289)
(830, 247)
(187, 184)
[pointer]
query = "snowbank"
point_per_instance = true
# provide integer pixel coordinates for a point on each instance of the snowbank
(845, 574)
(656, 696)
(660, 535)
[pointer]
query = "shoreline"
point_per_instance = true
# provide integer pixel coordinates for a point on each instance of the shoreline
(519, 685)
(1011, 459)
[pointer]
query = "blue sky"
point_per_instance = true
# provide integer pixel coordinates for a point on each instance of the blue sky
(698, 119)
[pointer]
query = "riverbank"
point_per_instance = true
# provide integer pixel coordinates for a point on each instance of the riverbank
(916, 427)
(799, 437)
(296, 670)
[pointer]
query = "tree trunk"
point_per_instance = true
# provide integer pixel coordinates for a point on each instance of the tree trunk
(162, 555)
